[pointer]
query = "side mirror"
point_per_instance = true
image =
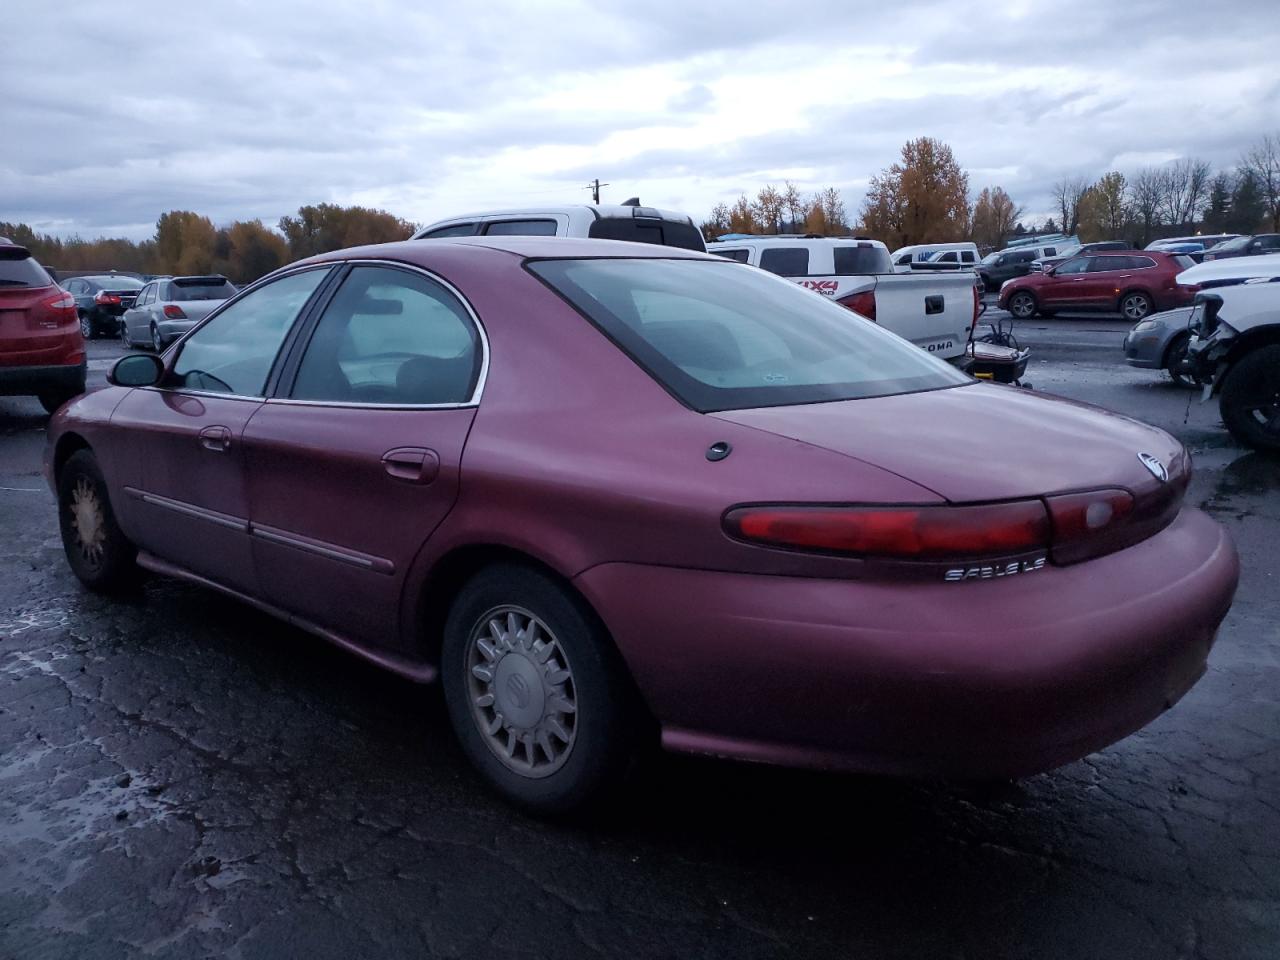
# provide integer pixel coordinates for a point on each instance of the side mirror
(136, 370)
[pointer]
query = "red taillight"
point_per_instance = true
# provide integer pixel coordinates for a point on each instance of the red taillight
(174, 312)
(863, 303)
(1078, 516)
(106, 299)
(912, 533)
(61, 301)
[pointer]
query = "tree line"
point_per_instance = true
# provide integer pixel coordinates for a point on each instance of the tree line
(188, 243)
(924, 197)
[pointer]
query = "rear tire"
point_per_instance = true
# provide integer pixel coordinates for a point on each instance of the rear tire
(124, 335)
(99, 553)
(86, 326)
(1250, 399)
(537, 694)
(157, 342)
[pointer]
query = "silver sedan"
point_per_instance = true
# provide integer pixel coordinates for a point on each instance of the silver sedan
(1160, 343)
(168, 307)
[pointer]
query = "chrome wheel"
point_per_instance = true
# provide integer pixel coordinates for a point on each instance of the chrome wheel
(1135, 306)
(520, 685)
(156, 343)
(88, 525)
(1022, 306)
(86, 326)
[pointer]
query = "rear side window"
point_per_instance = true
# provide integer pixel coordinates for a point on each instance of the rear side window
(200, 289)
(453, 230)
(667, 233)
(741, 256)
(785, 261)
(948, 257)
(18, 269)
(522, 228)
(1050, 251)
(864, 260)
(966, 256)
(391, 337)
(1103, 264)
(719, 337)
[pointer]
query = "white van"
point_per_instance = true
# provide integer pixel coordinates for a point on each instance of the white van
(627, 221)
(950, 256)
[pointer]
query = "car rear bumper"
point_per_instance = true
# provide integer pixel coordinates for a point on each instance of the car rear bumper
(977, 679)
(31, 380)
(172, 329)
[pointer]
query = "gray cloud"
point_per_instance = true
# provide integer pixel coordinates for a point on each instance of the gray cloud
(253, 109)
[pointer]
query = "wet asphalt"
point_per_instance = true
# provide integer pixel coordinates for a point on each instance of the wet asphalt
(181, 776)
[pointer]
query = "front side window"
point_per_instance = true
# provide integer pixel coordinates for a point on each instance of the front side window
(719, 337)
(522, 228)
(949, 257)
(785, 261)
(391, 337)
(1078, 265)
(145, 296)
(233, 352)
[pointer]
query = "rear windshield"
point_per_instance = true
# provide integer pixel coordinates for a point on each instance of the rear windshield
(116, 283)
(862, 260)
(200, 290)
(667, 233)
(721, 337)
(17, 269)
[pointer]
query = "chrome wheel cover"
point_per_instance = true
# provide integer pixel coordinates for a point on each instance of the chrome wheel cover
(86, 327)
(87, 524)
(521, 690)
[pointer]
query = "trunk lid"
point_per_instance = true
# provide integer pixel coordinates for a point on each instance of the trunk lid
(978, 442)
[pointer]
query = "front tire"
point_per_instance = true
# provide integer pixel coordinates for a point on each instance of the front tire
(1136, 305)
(536, 692)
(1250, 399)
(99, 553)
(1175, 361)
(1022, 306)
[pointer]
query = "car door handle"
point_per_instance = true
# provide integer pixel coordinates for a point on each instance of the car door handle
(217, 439)
(412, 464)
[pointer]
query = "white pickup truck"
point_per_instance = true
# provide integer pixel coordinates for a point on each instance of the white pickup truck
(935, 311)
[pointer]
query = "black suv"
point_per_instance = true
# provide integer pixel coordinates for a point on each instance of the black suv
(1254, 246)
(102, 301)
(995, 268)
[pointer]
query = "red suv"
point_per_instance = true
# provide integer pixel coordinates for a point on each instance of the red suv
(41, 347)
(1135, 283)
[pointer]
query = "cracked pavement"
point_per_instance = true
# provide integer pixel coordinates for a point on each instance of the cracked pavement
(181, 776)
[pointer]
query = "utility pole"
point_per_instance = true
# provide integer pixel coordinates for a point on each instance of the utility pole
(594, 186)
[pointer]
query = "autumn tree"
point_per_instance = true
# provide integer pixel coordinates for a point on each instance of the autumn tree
(1184, 187)
(742, 216)
(994, 217)
(1104, 209)
(1145, 192)
(1068, 192)
(327, 226)
(1217, 208)
(1263, 161)
(717, 224)
(832, 210)
(921, 199)
(793, 206)
(1248, 206)
(254, 251)
(185, 243)
(768, 209)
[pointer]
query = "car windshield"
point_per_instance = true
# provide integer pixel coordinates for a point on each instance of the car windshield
(1070, 252)
(116, 283)
(1230, 246)
(720, 336)
(991, 258)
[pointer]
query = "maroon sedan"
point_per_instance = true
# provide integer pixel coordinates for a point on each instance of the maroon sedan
(1132, 282)
(609, 491)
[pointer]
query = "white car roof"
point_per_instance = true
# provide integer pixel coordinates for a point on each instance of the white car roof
(1233, 268)
(604, 210)
(798, 241)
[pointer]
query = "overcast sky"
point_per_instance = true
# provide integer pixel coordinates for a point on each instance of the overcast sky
(112, 113)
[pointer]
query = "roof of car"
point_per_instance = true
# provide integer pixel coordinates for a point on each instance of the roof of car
(417, 251)
(626, 211)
